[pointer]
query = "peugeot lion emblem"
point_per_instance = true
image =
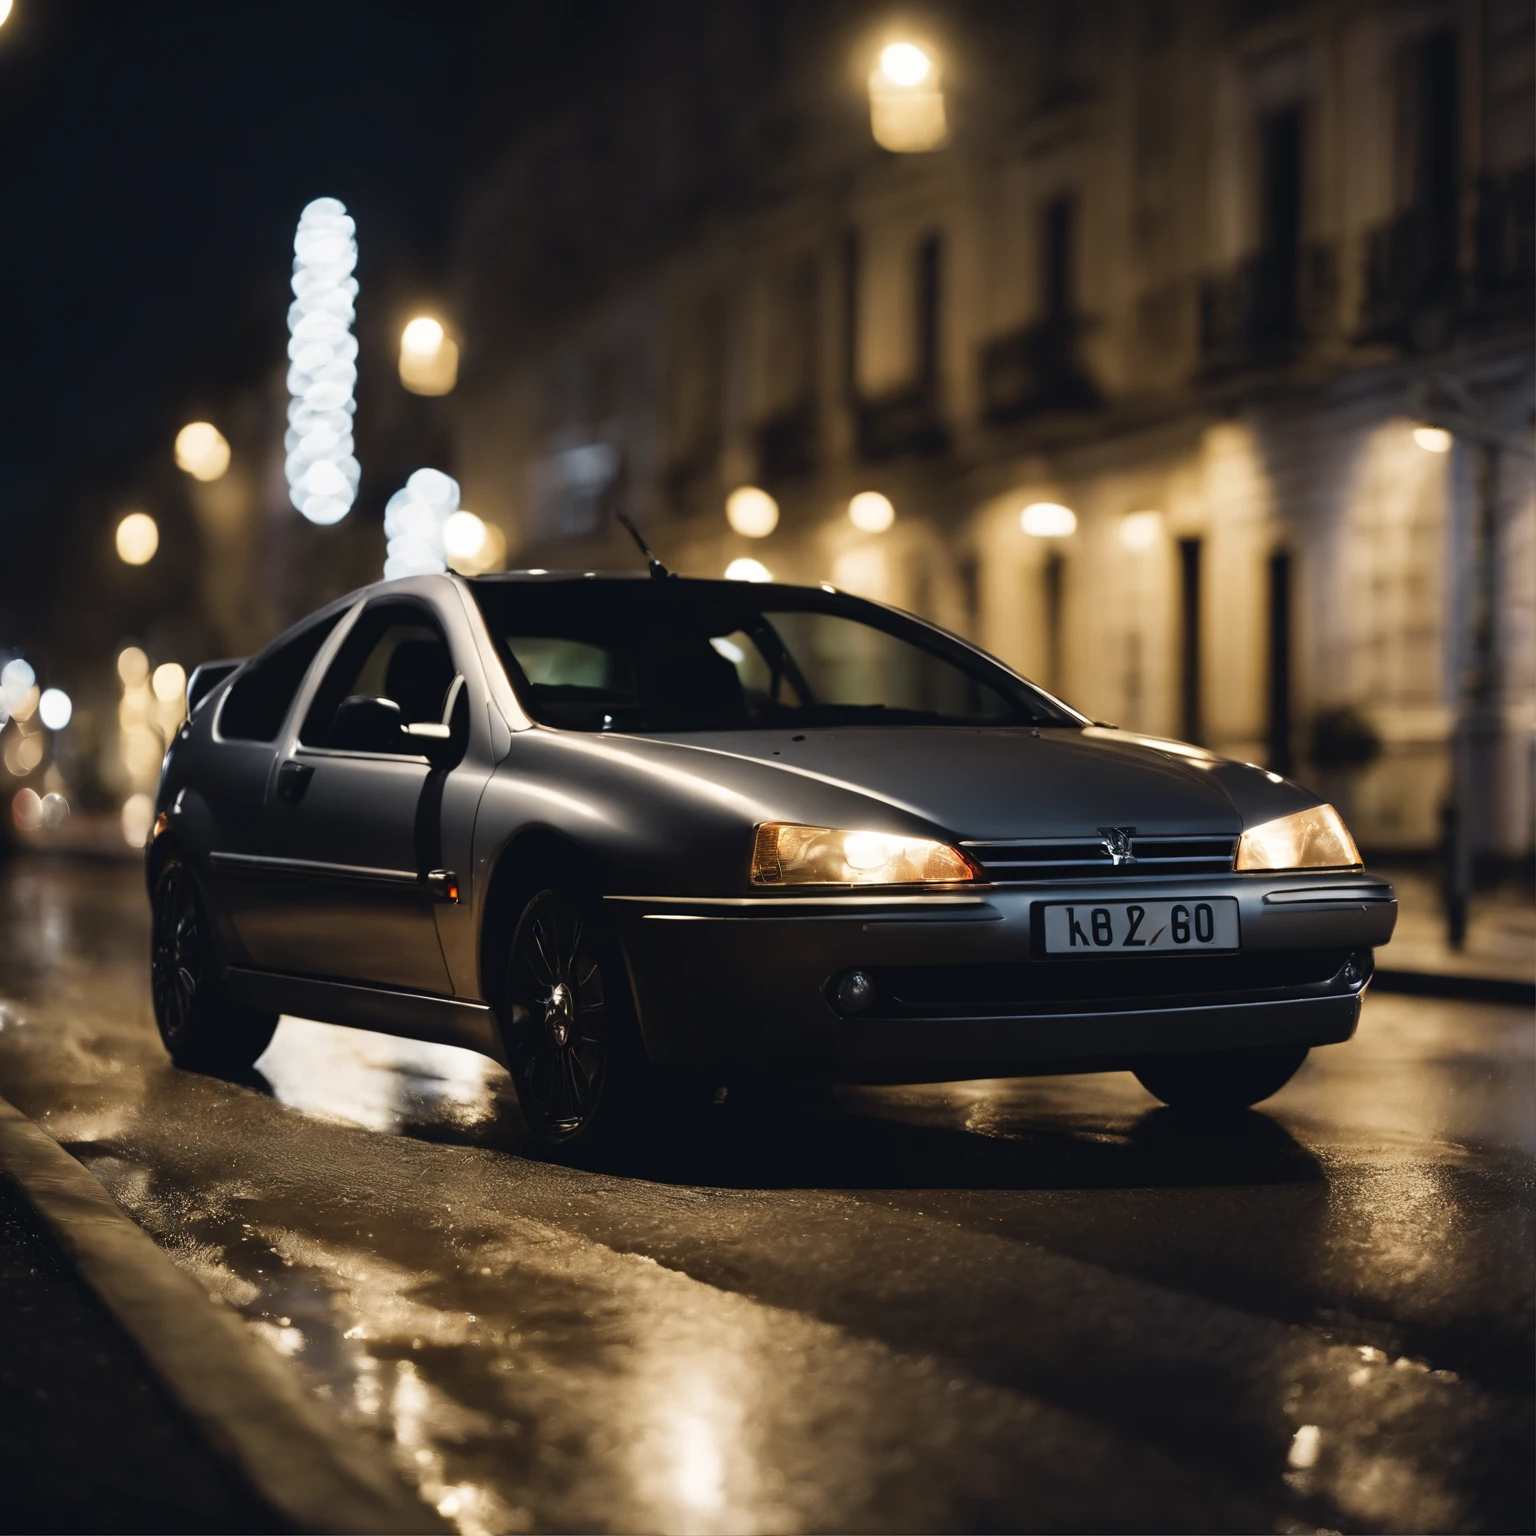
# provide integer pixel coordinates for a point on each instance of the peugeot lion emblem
(1117, 844)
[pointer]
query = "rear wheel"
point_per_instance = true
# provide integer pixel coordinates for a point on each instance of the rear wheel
(1224, 1080)
(573, 1045)
(200, 1029)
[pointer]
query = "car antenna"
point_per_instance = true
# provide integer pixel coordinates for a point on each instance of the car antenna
(659, 572)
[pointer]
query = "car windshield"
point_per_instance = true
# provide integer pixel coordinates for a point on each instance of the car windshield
(660, 656)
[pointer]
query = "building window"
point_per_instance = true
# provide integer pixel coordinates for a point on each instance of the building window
(1191, 726)
(1280, 218)
(1058, 260)
(1428, 152)
(1281, 759)
(929, 278)
(1054, 581)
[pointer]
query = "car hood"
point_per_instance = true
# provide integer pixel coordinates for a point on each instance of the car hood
(1016, 782)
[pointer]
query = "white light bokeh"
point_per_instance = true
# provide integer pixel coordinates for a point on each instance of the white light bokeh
(751, 512)
(54, 708)
(415, 523)
(1140, 530)
(322, 471)
(202, 450)
(870, 512)
(27, 810)
(5, 11)
(906, 105)
(138, 537)
(1048, 520)
(745, 569)
(463, 535)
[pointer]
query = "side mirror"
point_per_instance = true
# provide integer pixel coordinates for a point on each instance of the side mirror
(443, 744)
(365, 724)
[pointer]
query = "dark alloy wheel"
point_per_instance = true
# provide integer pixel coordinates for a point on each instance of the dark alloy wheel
(200, 1029)
(1227, 1080)
(561, 1027)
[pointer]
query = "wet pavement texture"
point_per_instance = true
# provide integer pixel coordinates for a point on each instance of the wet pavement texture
(1003, 1305)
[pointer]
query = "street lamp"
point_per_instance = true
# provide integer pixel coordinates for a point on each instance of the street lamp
(138, 537)
(1433, 439)
(429, 357)
(1048, 520)
(202, 450)
(906, 105)
(751, 512)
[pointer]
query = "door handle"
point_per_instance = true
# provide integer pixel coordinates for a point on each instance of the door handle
(292, 780)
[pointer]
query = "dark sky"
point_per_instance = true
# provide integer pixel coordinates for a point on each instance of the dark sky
(153, 161)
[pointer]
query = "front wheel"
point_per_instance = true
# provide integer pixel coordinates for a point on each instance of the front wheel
(1220, 1081)
(573, 1045)
(199, 1028)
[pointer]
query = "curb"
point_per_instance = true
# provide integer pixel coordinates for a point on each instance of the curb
(1471, 989)
(253, 1411)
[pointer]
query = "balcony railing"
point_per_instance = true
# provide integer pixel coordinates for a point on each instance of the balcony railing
(1505, 236)
(1035, 369)
(1261, 312)
(787, 443)
(903, 422)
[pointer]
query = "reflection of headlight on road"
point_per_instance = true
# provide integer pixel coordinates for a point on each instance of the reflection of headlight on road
(1315, 839)
(792, 855)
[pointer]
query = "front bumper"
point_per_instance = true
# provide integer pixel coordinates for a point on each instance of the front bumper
(748, 983)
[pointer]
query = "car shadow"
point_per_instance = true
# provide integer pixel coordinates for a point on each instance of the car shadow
(859, 1148)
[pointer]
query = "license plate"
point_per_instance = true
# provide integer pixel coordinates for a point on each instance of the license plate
(1140, 927)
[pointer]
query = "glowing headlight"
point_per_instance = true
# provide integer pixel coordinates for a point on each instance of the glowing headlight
(791, 855)
(1315, 839)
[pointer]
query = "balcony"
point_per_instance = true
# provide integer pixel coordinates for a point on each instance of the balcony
(787, 443)
(902, 423)
(1504, 237)
(1411, 275)
(1036, 369)
(1262, 312)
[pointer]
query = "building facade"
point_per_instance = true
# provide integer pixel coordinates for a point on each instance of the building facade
(1247, 288)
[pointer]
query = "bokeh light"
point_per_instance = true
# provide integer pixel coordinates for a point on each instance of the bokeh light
(321, 469)
(54, 708)
(415, 523)
(905, 64)
(169, 682)
(138, 816)
(870, 512)
(27, 810)
(429, 357)
(463, 535)
(55, 809)
(5, 11)
(746, 569)
(202, 450)
(1433, 439)
(23, 753)
(1048, 520)
(138, 537)
(132, 665)
(751, 512)
(1140, 530)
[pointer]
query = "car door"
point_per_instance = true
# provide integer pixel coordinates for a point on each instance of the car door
(353, 821)
(241, 750)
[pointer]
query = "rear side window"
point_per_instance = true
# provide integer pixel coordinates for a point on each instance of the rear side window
(256, 706)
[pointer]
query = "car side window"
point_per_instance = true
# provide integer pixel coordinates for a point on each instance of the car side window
(397, 652)
(257, 703)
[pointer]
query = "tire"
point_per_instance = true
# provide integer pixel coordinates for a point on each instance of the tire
(201, 1030)
(573, 1043)
(1226, 1081)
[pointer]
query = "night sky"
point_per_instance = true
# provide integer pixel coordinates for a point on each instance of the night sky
(153, 162)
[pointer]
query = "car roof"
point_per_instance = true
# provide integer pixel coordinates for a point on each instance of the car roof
(539, 576)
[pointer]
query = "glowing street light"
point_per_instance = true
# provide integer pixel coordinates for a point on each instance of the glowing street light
(870, 512)
(906, 105)
(429, 357)
(1140, 530)
(202, 450)
(751, 512)
(55, 708)
(1432, 439)
(1048, 520)
(5, 11)
(746, 569)
(138, 537)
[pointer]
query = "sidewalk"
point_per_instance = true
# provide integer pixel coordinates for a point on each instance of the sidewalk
(1497, 963)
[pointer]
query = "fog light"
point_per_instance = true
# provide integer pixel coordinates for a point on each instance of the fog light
(1358, 968)
(855, 992)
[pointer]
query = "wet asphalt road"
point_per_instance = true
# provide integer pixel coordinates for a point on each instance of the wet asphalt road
(1035, 1305)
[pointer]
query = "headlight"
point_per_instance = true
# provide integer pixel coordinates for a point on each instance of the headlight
(1315, 839)
(791, 855)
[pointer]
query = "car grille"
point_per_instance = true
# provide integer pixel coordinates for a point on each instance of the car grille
(937, 991)
(1028, 860)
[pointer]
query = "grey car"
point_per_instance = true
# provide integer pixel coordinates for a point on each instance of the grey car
(640, 837)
